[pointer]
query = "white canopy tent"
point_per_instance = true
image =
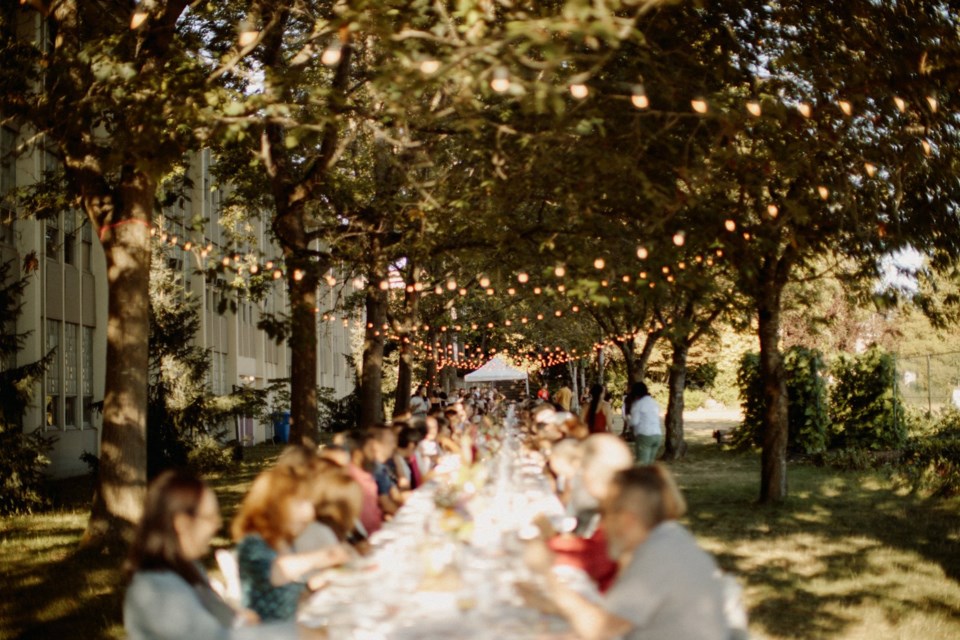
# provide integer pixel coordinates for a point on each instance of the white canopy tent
(497, 370)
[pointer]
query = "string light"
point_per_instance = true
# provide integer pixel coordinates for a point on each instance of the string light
(901, 104)
(805, 109)
(599, 263)
(579, 91)
(932, 103)
(753, 107)
(429, 67)
(824, 192)
(642, 253)
(501, 80)
(332, 54)
(699, 105)
(639, 97)
(773, 210)
(679, 238)
(139, 17)
(730, 225)
(560, 271)
(523, 278)
(484, 282)
(846, 107)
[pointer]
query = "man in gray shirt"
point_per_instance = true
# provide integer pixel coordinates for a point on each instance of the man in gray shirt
(668, 587)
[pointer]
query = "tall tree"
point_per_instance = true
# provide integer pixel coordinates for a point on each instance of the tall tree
(95, 89)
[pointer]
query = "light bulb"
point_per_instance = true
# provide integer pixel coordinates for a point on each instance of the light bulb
(805, 109)
(642, 253)
(846, 107)
(824, 192)
(451, 284)
(248, 37)
(754, 108)
(331, 55)
(901, 103)
(579, 91)
(484, 282)
(639, 97)
(501, 80)
(429, 67)
(599, 263)
(679, 238)
(730, 225)
(522, 278)
(772, 210)
(699, 105)
(560, 271)
(139, 17)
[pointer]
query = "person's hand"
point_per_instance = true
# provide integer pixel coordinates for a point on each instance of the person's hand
(311, 633)
(534, 598)
(537, 556)
(543, 523)
(248, 617)
(339, 554)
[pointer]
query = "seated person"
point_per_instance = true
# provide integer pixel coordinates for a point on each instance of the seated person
(169, 596)
(668, 587)
(274, 512)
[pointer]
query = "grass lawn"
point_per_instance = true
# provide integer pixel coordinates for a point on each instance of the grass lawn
(849, 556)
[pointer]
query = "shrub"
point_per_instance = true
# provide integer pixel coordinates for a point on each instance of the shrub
(806, 393)
(702, 376)
(864, 410)
(208, 455)
(933, 464)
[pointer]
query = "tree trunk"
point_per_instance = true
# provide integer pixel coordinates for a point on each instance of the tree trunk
(401, 399)
(773, 472)
(302, 282)
(371, 377)
(648, 344)
(573, 367)
(431, 374)
(675, 445)
(122, 481)
(629, 359)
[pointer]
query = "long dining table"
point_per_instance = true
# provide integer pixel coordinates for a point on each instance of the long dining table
(447, 564)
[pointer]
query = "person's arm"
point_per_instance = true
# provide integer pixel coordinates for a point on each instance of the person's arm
(589, 620)
(291, 567)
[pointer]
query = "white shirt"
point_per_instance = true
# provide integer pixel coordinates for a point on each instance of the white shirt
(644, 417)
(419, 406)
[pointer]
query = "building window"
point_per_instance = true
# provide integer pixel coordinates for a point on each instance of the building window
(70, 238)
(71, 375)
(52, 240)
(86, 237)
(53, 374)
(86, 376)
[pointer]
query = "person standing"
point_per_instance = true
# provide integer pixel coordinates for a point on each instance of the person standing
(419, 405)
(597, 415)
(563, 396)
(643, 419)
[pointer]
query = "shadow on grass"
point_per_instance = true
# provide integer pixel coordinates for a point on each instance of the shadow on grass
(842, 544)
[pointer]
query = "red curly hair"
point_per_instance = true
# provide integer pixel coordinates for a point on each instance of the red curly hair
(265, 507)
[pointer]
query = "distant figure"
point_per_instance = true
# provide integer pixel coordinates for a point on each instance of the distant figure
(563, 397)
(598, 416)
(543, 394)
(643, 418)
(419, 405)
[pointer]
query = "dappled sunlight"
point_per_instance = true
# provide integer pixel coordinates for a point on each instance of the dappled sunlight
(848, 555)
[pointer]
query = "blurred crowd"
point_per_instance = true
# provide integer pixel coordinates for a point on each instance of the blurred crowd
(312, 514)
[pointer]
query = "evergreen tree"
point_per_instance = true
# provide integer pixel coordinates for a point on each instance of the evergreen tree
(22, 455)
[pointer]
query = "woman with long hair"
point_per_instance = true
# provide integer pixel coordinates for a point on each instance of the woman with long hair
(597, 415)
(643, 419)
(169, 596)
(276, 510)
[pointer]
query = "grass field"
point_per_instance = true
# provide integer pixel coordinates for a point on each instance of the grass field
(848, 556)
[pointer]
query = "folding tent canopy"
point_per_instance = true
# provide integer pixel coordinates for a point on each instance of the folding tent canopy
(497, 370)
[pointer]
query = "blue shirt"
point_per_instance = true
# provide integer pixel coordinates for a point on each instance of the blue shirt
(382, 475)
(255, 558)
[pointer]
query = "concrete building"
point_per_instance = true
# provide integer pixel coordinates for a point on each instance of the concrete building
(65, 307)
